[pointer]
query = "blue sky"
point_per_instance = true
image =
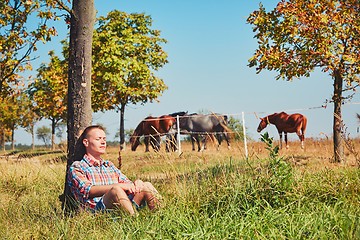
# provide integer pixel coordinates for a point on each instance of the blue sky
(209, 44)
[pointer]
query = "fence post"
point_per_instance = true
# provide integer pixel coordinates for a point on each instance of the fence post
(178, 134)
(244, 130)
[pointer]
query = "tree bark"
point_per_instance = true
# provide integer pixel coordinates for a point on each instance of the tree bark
(3, 140)
(53, 126)
(337, 123)
(122, 126)
(12, 139)
(32, 137)
(79, 83)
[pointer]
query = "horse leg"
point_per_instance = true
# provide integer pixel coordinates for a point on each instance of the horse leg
(203, 141)
(193, 139)
(302, 141)
(227, 139)
(218, 138)
(303, 129)
(155, 142)
(174, 143)
(286, 140)
(301, 137)
(146, 141)
(171, 143)
(281, 135)
(167, 144)
(198, 142)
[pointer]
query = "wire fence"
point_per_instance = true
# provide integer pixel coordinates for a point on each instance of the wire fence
(242, 114)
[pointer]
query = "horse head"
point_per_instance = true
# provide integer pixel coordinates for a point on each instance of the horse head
(135, 137)
(263, 123)
(135, 142)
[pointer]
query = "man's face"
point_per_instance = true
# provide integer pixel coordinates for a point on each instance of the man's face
(95, 142)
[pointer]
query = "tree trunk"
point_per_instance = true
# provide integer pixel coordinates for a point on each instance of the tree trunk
(3, 140)
(338, 124)
(32, 138)
(122, 126)
(79, 83)
(53, 126)
(12, 139)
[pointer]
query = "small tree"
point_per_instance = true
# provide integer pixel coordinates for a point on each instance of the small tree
(11, 111)
(299, 35)
(5, 118)
(29, 117)
(60, 130)
(44, 134)
(49, 94)
(126, 51)
(236, 126)
(127, 134)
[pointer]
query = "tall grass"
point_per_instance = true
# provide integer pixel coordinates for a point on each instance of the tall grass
(215, 195)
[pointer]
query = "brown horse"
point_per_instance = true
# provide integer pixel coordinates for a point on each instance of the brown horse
(286, 124)
(152, 128)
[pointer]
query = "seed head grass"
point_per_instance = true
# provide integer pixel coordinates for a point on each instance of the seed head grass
(272, 194)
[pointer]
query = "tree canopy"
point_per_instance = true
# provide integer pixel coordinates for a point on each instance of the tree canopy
(298, 36)
(125, 52)
(19, 38)
(48, 91)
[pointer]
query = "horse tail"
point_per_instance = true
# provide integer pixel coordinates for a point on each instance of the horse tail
(304, 124)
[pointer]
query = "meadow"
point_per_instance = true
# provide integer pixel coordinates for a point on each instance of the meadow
(290, 194)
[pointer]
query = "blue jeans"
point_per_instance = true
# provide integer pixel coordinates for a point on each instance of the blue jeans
(100, 206)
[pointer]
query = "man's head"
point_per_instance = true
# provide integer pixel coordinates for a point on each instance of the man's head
(94, 140)
(80, 148)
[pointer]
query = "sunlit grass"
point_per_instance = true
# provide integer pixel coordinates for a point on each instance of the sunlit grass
(206, 195)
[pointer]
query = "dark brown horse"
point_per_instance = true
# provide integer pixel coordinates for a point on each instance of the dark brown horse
(152, 128)
(294, 123)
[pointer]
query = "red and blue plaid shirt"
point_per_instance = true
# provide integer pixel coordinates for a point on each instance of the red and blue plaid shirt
(90, 172)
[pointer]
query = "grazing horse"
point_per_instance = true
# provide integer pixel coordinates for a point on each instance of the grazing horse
(152, 128)
(200, 126)
(286, 124)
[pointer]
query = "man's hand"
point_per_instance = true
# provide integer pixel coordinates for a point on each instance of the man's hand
(128, 187)
(139, 185)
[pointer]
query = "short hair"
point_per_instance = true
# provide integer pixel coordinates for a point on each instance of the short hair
(80, 149)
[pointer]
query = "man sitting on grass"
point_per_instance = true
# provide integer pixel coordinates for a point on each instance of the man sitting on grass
(98, 185)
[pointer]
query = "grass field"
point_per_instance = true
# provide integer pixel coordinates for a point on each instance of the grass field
(295, 194)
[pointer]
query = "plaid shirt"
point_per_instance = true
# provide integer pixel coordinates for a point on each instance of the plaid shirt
(89, 172)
